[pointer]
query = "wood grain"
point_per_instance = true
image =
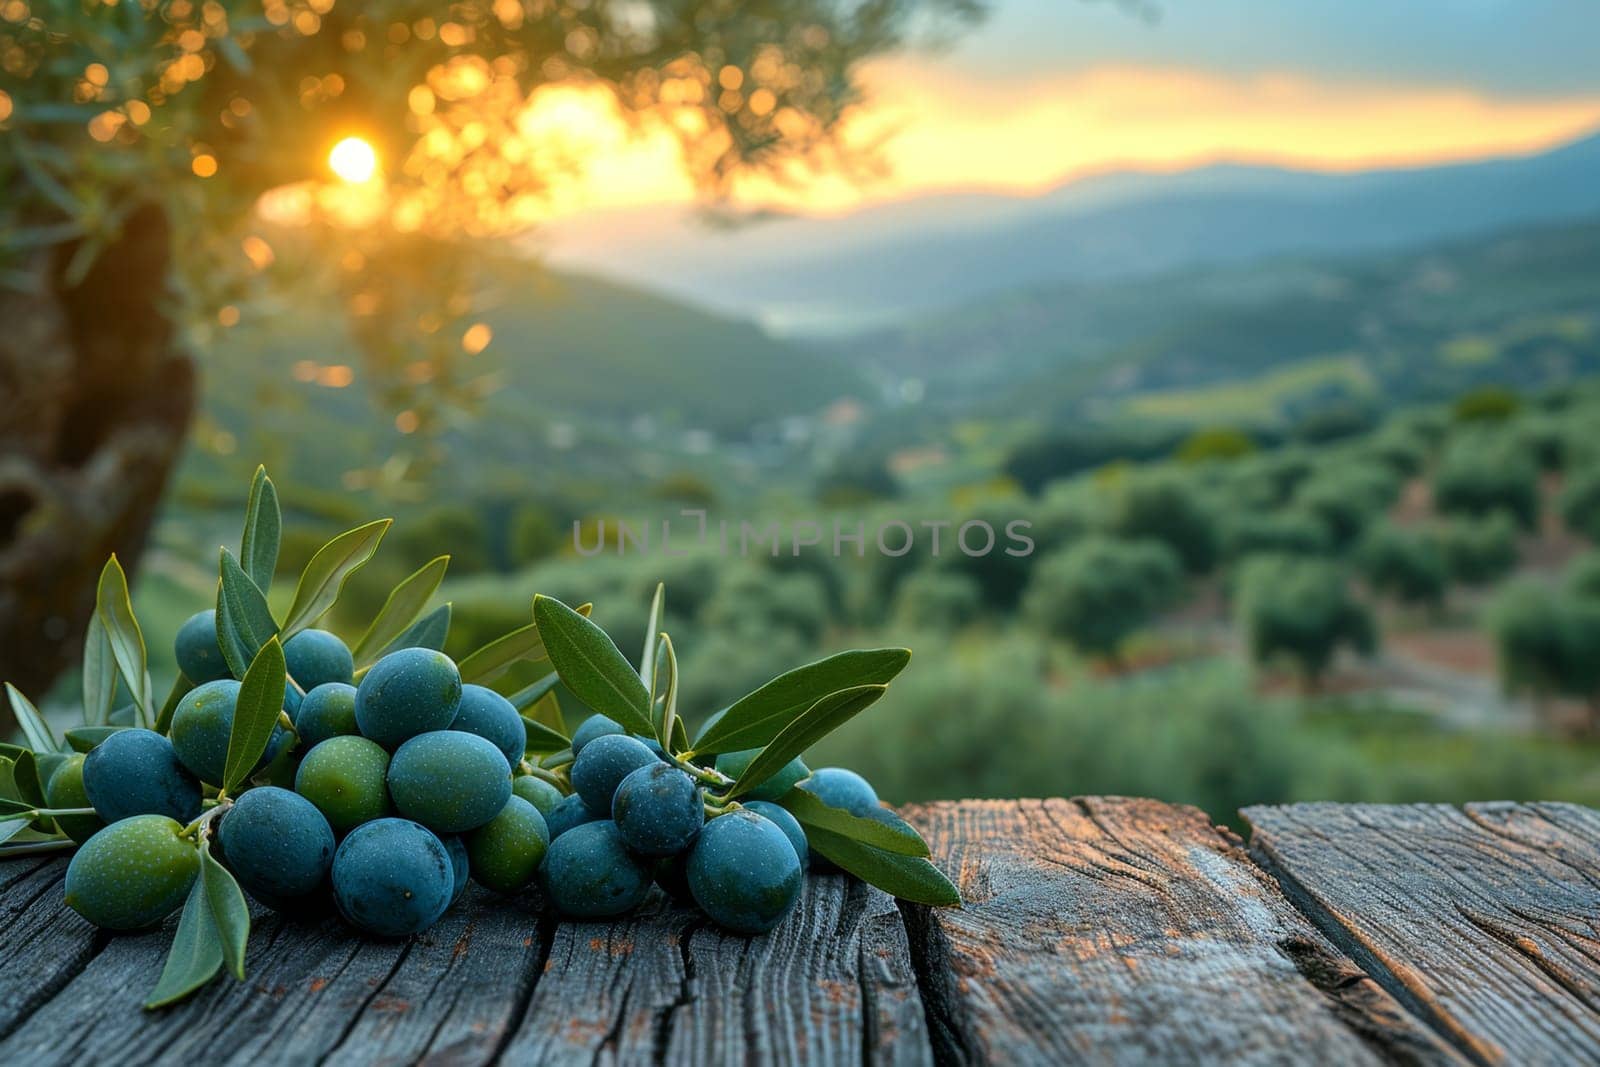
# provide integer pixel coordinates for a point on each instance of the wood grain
(1113, 930)
(1484, 921)
(315, 992)
(832, 984)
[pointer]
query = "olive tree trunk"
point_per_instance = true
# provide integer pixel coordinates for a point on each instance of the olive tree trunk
(95, 401)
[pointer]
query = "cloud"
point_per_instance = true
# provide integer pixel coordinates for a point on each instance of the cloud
(1030, 134)
(940, 131)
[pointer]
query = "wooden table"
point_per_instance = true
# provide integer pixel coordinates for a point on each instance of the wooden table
(1098, 929)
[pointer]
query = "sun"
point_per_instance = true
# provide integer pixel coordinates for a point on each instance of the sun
(353, 160)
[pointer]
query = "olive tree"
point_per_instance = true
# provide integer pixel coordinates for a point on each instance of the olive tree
(1478, 551)
(1549, 643)
(1166, 507)
(1300, 610)
(938, 599)
(1407, 565)
(1486, 472)
(1583, 576)
(1580, 503)
(1346, 495)
(1098, 592)
(1283, 532)
(137, 139)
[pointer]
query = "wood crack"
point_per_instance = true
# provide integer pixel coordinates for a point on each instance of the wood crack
(942, 1005)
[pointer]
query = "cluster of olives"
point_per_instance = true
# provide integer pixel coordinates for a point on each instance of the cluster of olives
(387, 795)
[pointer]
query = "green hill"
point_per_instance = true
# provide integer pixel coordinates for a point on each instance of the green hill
(1271, 340)
(596, 384)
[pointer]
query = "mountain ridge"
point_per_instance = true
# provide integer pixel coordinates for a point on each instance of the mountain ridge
(888, 263)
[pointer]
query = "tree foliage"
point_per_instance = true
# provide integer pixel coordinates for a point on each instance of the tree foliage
(1346, 496)
(201, 108)
(1286, 532)
(1549, 641)
(1099, 591)
(1580, 503)
(1484, 473)
(1406, 564)
(1300, 610)
(1478, 551)
(1166, 507)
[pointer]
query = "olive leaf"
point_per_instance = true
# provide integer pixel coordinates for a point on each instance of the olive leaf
(805, 730)
(910, 878)
(647, 658)
(495, 658)
(244, 622)
(84, 738)
(228, 909)
(324, 577)
(590, 665)
(527, 697)
(34, 729)
(542, 738)
(664, 691)
(196, 954)
(99, 673)
(48, 763)
(557, 759)
(255, 714)
(19, 775)
(115, 608)
(430, 631)
(263, 527)
(893, 834)
(180, 688)
(400, 610)
(755, 719)
(10, 828)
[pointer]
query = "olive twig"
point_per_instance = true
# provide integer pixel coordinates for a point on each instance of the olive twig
(201, 826)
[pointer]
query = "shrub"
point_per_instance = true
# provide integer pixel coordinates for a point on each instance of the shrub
(1402, 450)
(1479, 551)
(1161, 506)
(937, 600)
(1583, 576)
(1545, 437)
(1580, 503)
(1490, 403)
(1482, 474)
(1269, 480)
(1549, 641)
(1216, 443)
(1300, 610)
(1292, 533)
(1346, 496)
(1404, 564)
(754, 602)
(535, 535)
(1098, 592)
(1195, 735)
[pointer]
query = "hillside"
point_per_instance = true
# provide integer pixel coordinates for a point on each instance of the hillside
(887, 263)
(1268, 339)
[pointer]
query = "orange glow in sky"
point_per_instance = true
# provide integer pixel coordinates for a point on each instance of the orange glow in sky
(942, 133)
(935, 131)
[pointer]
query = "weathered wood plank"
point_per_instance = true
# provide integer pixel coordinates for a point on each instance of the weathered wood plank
(42, 944)
(1114, 930)
(1486, 922)
(315, 992)
(832, 984)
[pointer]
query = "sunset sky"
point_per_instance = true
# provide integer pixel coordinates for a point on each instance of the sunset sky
(1047, 89)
